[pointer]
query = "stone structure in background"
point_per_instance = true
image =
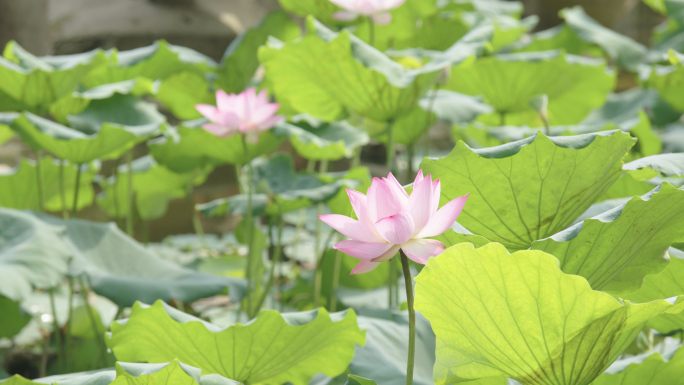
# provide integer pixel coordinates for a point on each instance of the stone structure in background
(71, 26)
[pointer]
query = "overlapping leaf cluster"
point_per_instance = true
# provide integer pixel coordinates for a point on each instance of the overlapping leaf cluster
(564, 267)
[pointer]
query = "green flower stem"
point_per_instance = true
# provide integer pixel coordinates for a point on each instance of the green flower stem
(39, 175)
(131, 195)
(412, 318)
(502, 116)
(250, 220)
(276, 260)
(356, 160)
(74, 207)
(115, 193)
(57, 330)
(62, 192)
(93, 322)
(67, 331)
(371, 32)
(392, 279)
(336, 281)
(318, 247)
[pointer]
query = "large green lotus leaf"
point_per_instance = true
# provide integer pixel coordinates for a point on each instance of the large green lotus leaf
(279, 189)
(154, 186)
(20, 186)
(665, 285)
(271, 349)
(509, 81)
(626, 52)
(157, 61)
(240, 62)
(13, 317)
(122, 270)
(78, 101)
(529, 189)
(70, 144)
(124, 373)
(124, 110)
(490, 319)
(649, 368)
(615, 250)
(325, 73)
(30, 83)
(188, 148)
(318, 140)
(32, 254)
(180, 92)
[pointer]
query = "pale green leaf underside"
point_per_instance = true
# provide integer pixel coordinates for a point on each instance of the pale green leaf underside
(615, 250)
(497, 314)
(172, 373)
(529, 189)
(647, 369)
(271, 349)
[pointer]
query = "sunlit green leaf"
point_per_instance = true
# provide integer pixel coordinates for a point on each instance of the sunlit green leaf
(157, 61)
(325, 73)
(492, 323)
(271, 349)
(240, 62)
(509, 81)
(529, 189)
(615, 250)
(30, 83)
(73, 145)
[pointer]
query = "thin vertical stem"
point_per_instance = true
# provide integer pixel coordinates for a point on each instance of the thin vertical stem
(62, 192)
(318, 247)
(391, 280)
(57, 330)
(91, 316)
(336, 281)
(276, 259)
(115, 192)
(131, 195)
(249, 219)
(67, 331)
(429, 120)
(39, 175)
(412, 318)
(502, 117)
(390, 145)
(371, 32)
(145, 231)
(410, 153)
(77, 188)
(356, 160)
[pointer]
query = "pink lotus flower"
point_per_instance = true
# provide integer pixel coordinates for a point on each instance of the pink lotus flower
(247, 113)
(376, 9)
(390, 219)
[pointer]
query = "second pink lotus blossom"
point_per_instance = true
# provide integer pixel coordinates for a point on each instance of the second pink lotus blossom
(246, 113)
